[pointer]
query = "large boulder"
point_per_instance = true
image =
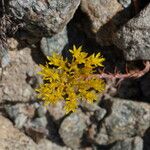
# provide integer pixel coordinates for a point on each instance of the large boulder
(43, 18)
(103, 18)
(134, 37)
(125, 120)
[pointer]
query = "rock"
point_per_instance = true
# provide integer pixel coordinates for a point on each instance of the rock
(39, 122)
(36, 128)
(48, 145)
(97, 112)
(43, 18)
(72, 128)
(125, 3)
(102, 137)
(55, 43)
(103, 18)
(12, 43)
(4, 56)
(134, 37)
(11, 138)
(13, 84)
(41, 111)
(126, 119)
(56, 111)
(129, 144)
(19, 114)
(20, 121)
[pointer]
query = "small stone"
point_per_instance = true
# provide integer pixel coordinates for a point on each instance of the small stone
(20, 121)
(129, 144)
(56, 111)
(27, 92)
(12, 111)
(19, 113)
(97, 111)
(39, 122)
(41, 111)
(125, 3)
(72, 129)
(55, 43)
(12, 43)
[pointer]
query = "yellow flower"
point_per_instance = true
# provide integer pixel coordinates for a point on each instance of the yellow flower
(71, 106)
(95, 60)
(69, 81)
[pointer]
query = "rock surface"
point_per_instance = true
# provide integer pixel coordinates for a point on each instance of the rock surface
(55, 43)
(126, 119)
(72, 128)
(43, 18)
(48, 145)
(11, 138)
(103, 18)
(14, 84)
(134, 37)
(129, 144)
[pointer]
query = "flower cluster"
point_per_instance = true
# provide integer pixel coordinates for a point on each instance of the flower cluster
(69, 81)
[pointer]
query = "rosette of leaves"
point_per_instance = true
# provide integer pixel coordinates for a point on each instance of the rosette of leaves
(71, 81)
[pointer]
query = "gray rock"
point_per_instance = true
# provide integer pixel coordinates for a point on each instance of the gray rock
(126, 119)
(72, 128)
(97, 111)
(43, 18)
(14, 85)
(45, 144)
(12, 43)
(129, 144)
(99, 114)
(19, 114)
(39, 122)
(41, 111)
(56, 111)
(125, 3)
(134, 37)
(20, 120)
(55, 43)
(12, 111)
(103, 18)
(4, 57)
